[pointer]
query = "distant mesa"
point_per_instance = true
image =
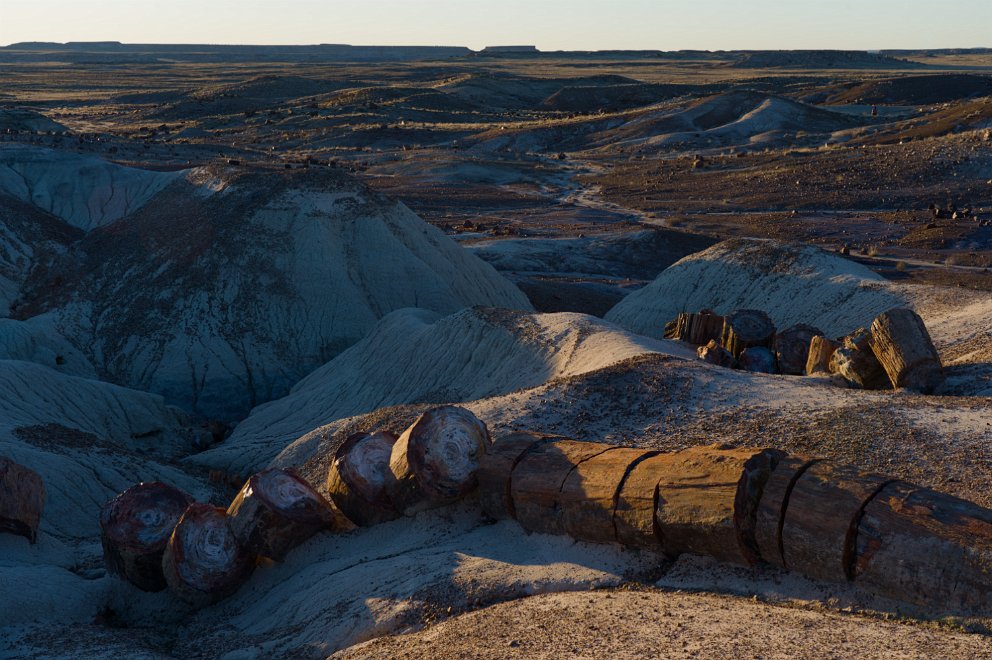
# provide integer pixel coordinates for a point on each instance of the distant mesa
(495, 50)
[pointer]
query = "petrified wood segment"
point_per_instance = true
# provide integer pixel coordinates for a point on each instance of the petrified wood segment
(699, 328)
(744, 328)
(203, 561)
(903, 347)
(535, 485)
(925, 547)
(357, 478)
(22, 499)
(496, 467)
(772, 507)
(135, 526)
(757, 359)
(821, 350)
(708, 498)
(589, 494)
(821, 519)
(716, 354)
(276, 510)
(637, 498)
(435, 461)
(792, 347)
(856, 363)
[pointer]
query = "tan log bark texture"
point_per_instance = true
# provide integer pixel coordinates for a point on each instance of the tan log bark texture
(496, 468)
(821, 350)
(903, 347)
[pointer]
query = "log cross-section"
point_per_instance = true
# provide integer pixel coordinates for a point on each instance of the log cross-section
(22, 499)
(358, 475)
(496, 467)
(744, 328)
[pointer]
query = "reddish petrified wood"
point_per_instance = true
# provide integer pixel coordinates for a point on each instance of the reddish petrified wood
(925, 547)
(203, 561)
(637, 498)
(135, 526)
(744, 328)
(589, 495)
(22, 499)
(821, 519)
(773, 504)
(536, 481)
(435, 461)
(903, 347)
(496, 467)
(276, 510)
(708, 499)
(791, 348)
(821, 350)
(699, 328)
(357, 478)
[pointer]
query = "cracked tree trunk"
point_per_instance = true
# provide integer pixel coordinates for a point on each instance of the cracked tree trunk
(699, 328)
(792, 348)
(821, 350)
(22, 499)
(903, 347)
(744, 328)
(358, 476)
(496, 468)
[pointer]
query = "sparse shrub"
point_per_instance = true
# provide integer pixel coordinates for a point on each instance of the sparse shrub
(872, 250)
(902, 266)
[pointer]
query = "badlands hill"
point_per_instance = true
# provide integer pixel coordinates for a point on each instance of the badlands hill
(234, 283)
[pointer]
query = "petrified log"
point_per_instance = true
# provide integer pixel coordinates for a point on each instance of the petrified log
(821, 519)
(435, 461)
(792, 348)
(135, 526)
(708, 500)
(699, 328)
(856, 363)
(757, 359)
(357, 478)
(716, 354)
(496, 468)
(589, 495)
(276, 510)
(22, 499)
(203, 561)
(773, 504)
(925, 547)
(744, 328)
(637, 498)
(821, 350)
(536, 481)
(903, 346)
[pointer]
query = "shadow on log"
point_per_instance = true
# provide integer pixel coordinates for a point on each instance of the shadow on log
(358, 476)
(22, 499)
(135, 527)
(791, 347)
(637, 499)
(496, 467)
(744, 328)
(698, 329)
(821, 350)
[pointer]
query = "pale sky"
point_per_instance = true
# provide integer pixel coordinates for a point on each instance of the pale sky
(548, 24)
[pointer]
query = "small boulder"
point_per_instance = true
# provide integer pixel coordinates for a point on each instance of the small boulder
(716, 354)
(757, 359)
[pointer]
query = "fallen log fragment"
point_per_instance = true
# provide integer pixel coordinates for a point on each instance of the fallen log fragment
(496, 468)
(744, 328)
(716, 354)
(708, 499)
(357, 478)
(792, 348)
(435, 461)
(637, 499)
(699, 328)
(276, 510)
(757, 359)
(135, 527)
(925, 547)
(22, 500)
(536, 482)
(903, 347)
(821, 350)
(588, 496)
(856, 363)
(773, 504)
(203, 561)
(821, 519)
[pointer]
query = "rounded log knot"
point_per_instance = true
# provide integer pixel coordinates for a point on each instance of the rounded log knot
(435, 461)
(791, 348)
(744, 328)
(203, 561)
(276, 510)
(496, 468)
(135, 527)
(358, 477)
(22, 499)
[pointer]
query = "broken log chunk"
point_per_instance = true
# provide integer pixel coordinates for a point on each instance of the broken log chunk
(716, 354)
(821, 350)
(637, 499)
(757, 359)
(925, 547)
(496, 468)
(821, 519)
(536, 481)
(708, 500)
(589, 494)
(791, 347)
(276, 510)
(22, 500)
(744, 328)
(856, 363)
(699, 328)
(900, 341)
(435, 461)
(357, 478)
(135, 526)
(772, 507)
(203, 561)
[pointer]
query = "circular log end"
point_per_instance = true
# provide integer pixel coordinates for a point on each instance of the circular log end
(443, 451)
(143, 516)
(358, 477)
(292, 498)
